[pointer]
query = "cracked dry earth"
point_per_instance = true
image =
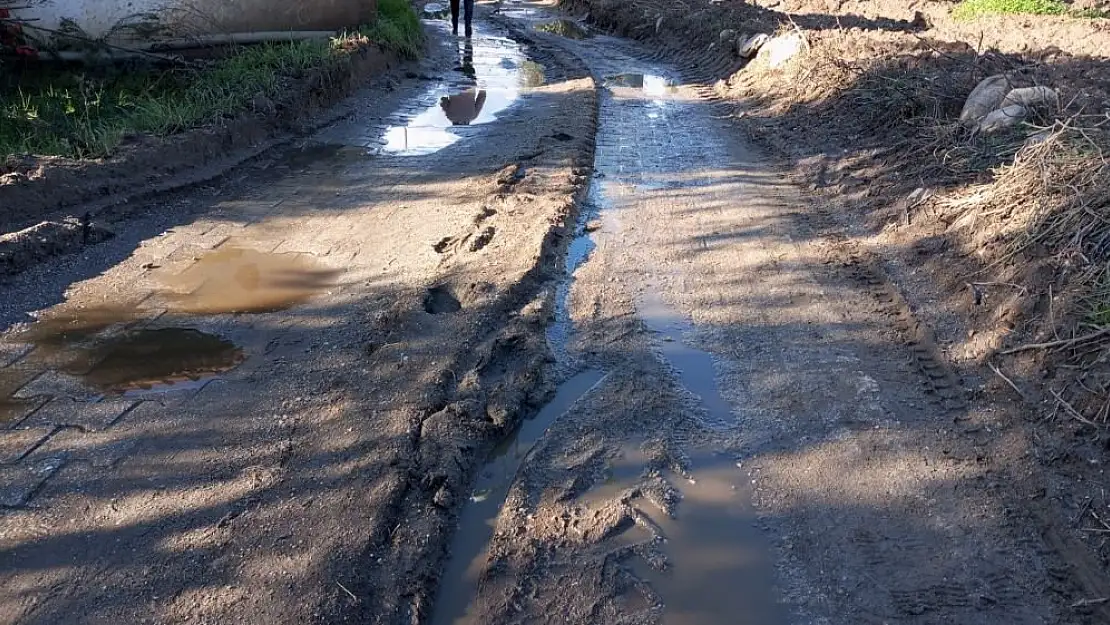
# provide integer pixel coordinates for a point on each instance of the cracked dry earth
(582, 360)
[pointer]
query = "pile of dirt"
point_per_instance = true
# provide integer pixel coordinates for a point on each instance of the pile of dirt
(872, 120)
(712, 27)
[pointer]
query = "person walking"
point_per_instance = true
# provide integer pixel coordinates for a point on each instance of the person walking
(468, 16)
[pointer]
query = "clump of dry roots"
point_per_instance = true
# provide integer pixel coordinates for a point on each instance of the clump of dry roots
(1055, 193)
(1054, 200)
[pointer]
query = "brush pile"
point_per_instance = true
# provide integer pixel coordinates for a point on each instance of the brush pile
(13, 43)
(1054, 196)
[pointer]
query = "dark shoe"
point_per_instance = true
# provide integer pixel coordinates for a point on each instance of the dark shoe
(469, 32)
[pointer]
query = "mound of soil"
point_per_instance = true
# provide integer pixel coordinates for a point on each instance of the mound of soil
(34, 189)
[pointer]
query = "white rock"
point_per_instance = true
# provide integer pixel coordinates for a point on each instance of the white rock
(984, 98)
(1031, 97)
(779, 50)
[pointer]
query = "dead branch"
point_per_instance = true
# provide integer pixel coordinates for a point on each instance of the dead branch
(1057, 344)
(1071, 410)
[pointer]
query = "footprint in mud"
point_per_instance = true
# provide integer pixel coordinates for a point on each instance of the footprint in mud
(444, 244)
(439, 300)
(485, 214)
(483, 239)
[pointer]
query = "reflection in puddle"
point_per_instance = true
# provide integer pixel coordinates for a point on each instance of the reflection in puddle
(463, 108)
(494, 69)
(695, 368)
(475, 529)
(232, 280)
(155, 359)
(651, 85)
(564, 28)
(120, 361)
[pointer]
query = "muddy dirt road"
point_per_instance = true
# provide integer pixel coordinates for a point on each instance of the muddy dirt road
(535, 337)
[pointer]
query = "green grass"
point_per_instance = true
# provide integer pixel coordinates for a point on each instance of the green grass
(49, 111)
(398, 28)
(970, 9)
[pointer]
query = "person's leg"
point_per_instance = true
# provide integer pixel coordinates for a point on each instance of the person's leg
(455, 16)
(469, 10)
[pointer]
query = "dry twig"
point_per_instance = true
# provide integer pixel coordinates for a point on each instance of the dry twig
(1072, 411)
(1008, 381)
(1057, 344)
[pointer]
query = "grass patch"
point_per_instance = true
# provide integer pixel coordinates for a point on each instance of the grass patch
(52, 111)
(397, 28)
(971, 9)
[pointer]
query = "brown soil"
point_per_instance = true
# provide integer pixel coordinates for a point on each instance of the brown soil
(988, 255)
(759, 392)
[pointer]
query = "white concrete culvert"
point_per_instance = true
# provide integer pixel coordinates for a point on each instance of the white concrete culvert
(995, 105)
(984, 98)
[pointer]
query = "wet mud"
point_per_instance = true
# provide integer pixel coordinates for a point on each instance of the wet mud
(714, 565)
(333, 395)
(687, 525)
(459, 582)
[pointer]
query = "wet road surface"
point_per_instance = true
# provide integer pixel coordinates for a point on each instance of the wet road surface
(227, 412)
(298, 403)
(745, 382)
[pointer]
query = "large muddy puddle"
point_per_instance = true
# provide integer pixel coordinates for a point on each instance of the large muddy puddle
(459, 583)
(143, 349)
(110, 357)
(235, 280)
(714, 568)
